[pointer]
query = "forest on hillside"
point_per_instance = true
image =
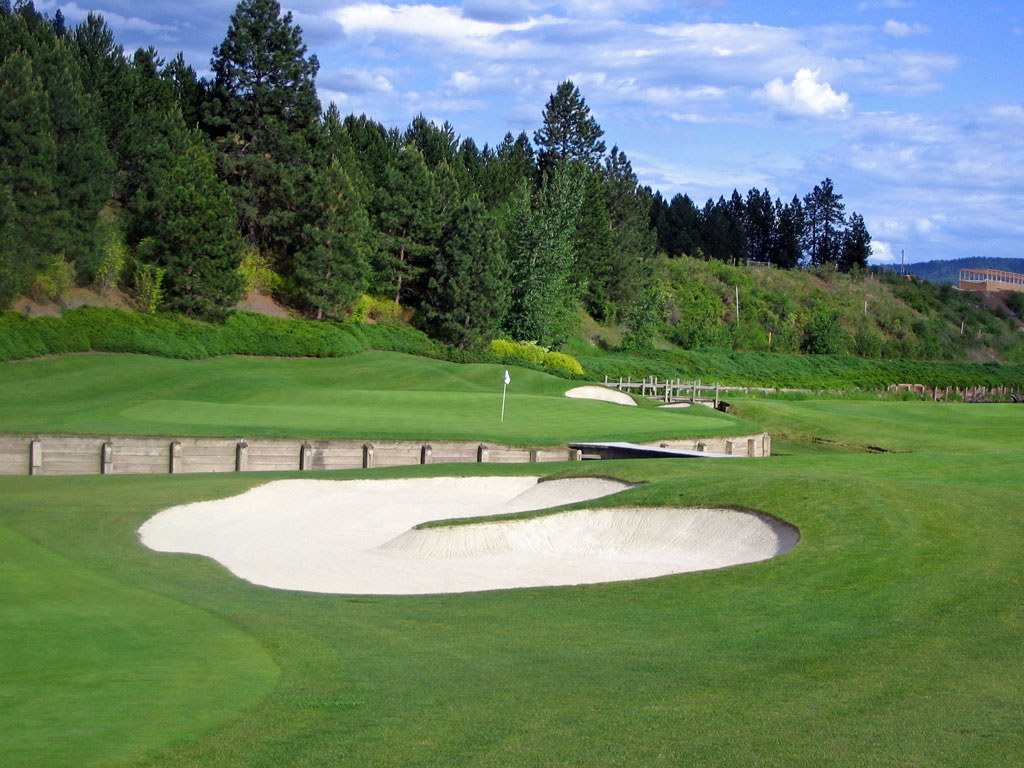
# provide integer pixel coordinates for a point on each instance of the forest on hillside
(127, 168)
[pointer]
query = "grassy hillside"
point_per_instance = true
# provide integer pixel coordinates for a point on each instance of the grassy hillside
(821, 310)
(896, 619)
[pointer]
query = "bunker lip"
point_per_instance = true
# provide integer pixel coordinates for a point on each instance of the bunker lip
(359, 536)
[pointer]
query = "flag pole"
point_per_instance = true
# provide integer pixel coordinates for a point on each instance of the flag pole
(504, 386)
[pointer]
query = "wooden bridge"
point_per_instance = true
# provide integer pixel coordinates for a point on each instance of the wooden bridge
(678, 391)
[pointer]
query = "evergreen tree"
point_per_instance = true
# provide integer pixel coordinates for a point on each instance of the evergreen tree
(28, 168)
(437, 143)
(594, 248)
(856, 244)
(194, 236)
(106, 73)
(824, 213)
(633, 241)
(513, 162)
(787, 246)
(541, 256)
(569, 131)
(332, 265)
(760, 224)
(408, 225)
(684, 226)
(263, 110)
(469, 278)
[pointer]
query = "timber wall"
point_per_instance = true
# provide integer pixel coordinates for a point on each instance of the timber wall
(42, 454)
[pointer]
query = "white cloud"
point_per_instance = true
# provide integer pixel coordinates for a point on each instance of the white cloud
(881, 253)
(804, 95)
(351, 81)
(902, 29)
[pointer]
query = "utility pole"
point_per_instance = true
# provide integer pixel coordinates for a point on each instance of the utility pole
(737, 305)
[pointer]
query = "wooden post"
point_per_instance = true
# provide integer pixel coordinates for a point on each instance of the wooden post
(483, 453)
(175, 458)
(241, 456)
(730, 447)
(35, 457)
(106, 459)
(702, 447)
(533, 455)
(751, 448)
(716, 395)
(575, 454)
(425, 453)
(367, 456)
(306, 457)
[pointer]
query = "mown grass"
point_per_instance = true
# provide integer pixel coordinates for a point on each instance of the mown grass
(380, 395)
(889, 636)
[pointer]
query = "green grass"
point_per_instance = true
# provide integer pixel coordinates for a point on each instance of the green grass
(380, 395)
(889, 636)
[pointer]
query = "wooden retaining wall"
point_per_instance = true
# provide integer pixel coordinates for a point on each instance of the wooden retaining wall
(125, 455)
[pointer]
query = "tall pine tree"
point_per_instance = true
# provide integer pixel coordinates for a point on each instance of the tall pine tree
(28, 171)
(332, 264)
(263, 111)
(468, 290)
(569, 131)
(194, 236)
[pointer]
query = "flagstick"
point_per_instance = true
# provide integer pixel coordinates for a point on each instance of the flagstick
(503, 388)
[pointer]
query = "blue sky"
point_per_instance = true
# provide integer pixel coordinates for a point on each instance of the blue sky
(915, 109)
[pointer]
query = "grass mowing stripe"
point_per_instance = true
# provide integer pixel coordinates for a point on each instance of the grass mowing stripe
(93, 672)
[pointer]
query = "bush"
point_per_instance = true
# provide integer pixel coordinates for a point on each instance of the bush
(377, 309)
(243, 333)
(53, 282)
(257, 275)
(536, 355)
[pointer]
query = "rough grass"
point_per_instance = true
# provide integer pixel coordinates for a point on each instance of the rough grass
(381, 395)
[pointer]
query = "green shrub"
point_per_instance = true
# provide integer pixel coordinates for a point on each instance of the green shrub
(377, 309)
(563, 362)
(257, 275)
(54, 281)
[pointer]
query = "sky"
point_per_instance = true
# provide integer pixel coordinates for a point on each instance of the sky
(914, 108)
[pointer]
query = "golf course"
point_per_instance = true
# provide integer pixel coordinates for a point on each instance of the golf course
(889, 635)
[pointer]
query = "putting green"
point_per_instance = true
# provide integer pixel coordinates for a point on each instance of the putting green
(379, 395)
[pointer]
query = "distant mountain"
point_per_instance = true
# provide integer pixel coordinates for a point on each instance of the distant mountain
(949, 271)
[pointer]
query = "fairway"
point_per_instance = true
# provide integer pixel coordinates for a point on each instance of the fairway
(379, 395)
(889, 636)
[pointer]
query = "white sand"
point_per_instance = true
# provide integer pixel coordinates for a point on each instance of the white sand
(594, 392)
(357, 537)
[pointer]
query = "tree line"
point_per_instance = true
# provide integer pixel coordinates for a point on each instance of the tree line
(131, 168)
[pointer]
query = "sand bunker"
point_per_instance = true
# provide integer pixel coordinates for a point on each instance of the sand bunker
(358, 536)
(594, 392)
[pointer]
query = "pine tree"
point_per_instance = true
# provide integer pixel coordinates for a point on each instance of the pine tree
(594, 248)
(856, 244)
(408, 225)
(437, 143)
(684, 223)
(84, 171)
(512, 163)
(194, 236)
(469, 278)
(106, 73)
(825, 224)
(263, 110)
(759, 222)
(633, 241)
(569, 131)
(787, 246)
(28, 168)
(332, 265)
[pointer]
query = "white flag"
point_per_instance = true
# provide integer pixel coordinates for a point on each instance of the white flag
(508, 379)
